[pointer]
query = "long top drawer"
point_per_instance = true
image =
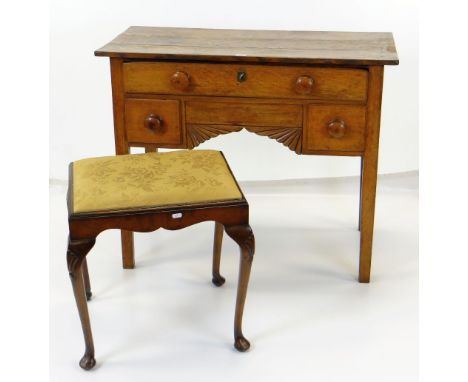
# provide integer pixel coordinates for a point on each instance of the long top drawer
(236, 80)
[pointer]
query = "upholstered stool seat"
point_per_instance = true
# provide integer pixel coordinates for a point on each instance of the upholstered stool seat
(144, 192)
(152, 180)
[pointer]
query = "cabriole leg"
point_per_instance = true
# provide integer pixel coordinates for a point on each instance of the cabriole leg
(243, 236)
(87, 283)
(77, 250)
(218, 280)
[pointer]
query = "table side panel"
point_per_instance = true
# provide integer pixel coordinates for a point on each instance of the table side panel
(243, 114)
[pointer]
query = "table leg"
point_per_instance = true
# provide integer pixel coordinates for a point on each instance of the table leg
(151, 149)
(128, 257)
(121, 145)
(369, 183)
(369, 171)
(128, 246)
(360, 194)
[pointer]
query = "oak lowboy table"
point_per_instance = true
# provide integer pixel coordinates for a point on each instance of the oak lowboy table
(317, 93)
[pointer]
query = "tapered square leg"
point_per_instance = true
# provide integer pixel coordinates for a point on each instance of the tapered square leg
(128, 250)
(369, 171)
(367, 222)
(360, 193)
(121, 146)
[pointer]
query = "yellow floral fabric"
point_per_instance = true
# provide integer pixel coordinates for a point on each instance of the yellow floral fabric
(151, 180)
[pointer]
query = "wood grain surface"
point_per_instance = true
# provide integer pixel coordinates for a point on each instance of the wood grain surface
(243, 114)
(317, 133)
(167, 111)
(317, 93)
(307, 47)
(269, 81)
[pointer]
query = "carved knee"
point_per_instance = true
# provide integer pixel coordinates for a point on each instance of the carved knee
(77, 250)
(244, 237)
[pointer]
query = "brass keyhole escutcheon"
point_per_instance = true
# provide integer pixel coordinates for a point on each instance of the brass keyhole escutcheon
(241, 76)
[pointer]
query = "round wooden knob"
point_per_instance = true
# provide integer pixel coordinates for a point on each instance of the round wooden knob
(304, 85)
(336, 128)
(180, 80)
(153, 122)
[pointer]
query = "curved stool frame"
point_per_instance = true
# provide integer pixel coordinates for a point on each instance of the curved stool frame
(84, 228)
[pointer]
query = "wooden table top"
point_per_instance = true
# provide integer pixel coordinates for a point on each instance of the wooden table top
(300, 47)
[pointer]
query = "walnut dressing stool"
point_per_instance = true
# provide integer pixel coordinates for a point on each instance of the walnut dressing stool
(145, 192)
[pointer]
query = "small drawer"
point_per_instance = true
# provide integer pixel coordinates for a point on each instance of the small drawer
(153, 121)
(236, 80)
(243, 114)
(335, 128)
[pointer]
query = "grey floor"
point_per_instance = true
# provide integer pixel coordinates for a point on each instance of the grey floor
(306, 315)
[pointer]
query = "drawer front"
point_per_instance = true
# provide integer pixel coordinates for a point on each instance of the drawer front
(153, 121)
(335, 127)
(243, 114)
(246, 80)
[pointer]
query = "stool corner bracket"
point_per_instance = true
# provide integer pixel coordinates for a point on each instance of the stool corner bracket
(244, 237)
(76, 252)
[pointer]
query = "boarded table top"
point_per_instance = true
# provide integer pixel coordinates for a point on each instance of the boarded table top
(302, 47)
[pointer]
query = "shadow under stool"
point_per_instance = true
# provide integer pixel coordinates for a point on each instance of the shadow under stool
(145, 192)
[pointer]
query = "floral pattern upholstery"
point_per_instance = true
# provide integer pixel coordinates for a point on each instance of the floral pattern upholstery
(151, 180)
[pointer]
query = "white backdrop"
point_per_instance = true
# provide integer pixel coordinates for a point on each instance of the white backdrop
(80, 91)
